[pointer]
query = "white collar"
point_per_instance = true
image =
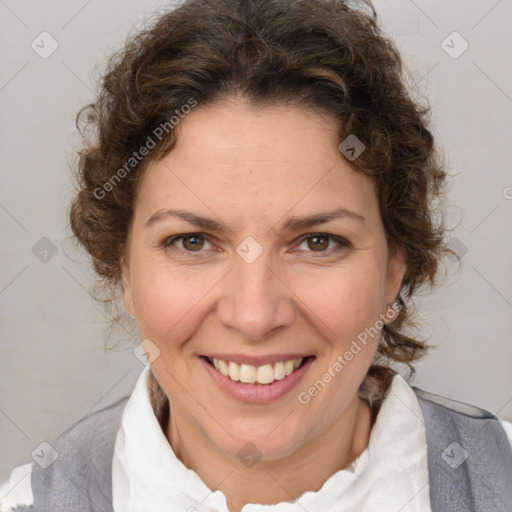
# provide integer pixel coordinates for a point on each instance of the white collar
(390, 475)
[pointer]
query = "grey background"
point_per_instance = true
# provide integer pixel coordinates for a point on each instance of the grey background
(53, 368)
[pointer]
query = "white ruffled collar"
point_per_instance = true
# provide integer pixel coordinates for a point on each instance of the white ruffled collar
(391, 474)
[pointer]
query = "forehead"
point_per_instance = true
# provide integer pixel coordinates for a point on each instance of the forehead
(233, 131)
(256, 161)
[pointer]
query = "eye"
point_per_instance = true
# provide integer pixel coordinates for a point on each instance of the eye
(190, 242)
(323, 242)
(313, 242)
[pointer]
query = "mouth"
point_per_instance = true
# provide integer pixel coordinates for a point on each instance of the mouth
(251, 374)
(262, 382)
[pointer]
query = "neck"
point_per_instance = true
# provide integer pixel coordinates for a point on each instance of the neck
(273, 481)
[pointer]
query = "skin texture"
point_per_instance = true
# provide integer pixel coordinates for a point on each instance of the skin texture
(253, 168)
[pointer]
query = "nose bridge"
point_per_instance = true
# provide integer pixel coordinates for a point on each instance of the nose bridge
(254, 280)
(255, 302)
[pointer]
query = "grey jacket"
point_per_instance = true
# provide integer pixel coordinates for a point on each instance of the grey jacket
(469, 461)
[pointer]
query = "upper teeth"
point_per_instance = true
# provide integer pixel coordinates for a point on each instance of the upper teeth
(250, 374)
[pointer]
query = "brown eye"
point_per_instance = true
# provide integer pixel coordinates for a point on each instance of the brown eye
(324, 244)
(193, 242)
(186, 244)
(318, 242)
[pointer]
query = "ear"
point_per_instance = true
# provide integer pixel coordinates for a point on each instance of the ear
(127, 287)
(397, 267)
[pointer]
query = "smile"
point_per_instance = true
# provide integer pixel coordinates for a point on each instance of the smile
(265, 381)
(250, 374)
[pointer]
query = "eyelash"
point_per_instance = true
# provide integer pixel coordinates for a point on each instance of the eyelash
(343, 243)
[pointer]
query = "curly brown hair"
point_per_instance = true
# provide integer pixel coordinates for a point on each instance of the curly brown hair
(318, 54)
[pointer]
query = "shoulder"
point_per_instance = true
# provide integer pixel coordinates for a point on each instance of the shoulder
(437, 408)
(469, 454)
(79, 459)
(454, 405)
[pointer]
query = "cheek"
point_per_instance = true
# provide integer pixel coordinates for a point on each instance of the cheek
(343, 301)
(344, 306)
(339, 302)
(166, 296)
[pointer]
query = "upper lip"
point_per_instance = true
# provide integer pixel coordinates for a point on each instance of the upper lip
(256, 360)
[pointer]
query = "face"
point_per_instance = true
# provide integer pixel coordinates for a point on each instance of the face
(255, 243)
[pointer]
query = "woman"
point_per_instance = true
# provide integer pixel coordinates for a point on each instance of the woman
(263, 194)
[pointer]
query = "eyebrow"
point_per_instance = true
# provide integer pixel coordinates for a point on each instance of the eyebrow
(298, 223)
(292, 224)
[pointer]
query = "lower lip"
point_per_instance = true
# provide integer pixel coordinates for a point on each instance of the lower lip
(257, 393)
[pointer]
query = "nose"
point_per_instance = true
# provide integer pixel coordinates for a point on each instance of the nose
(256, 301)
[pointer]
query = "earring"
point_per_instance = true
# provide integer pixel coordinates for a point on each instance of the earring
(131, 316)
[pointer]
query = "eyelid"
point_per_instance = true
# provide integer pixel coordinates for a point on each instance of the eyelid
(169, 242)
(342, 242)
